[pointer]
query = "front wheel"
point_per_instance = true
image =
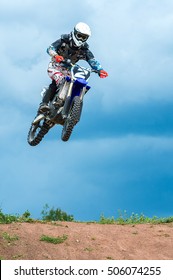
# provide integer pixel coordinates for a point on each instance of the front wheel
(37, 132)
(72, 119)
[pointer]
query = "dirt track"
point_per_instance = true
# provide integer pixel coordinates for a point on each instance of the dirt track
(86, 241)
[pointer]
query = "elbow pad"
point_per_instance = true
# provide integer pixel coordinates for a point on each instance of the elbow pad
(95, 64)
(51, 51)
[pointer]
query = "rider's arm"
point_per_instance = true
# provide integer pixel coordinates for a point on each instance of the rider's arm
(53, 48)
(92, 61)
(95, 64)
(51, 51)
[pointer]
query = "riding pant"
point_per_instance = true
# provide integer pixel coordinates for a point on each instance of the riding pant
(56, 72)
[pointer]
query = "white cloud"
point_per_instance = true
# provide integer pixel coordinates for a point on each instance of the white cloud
(27, 29)
(133, 42)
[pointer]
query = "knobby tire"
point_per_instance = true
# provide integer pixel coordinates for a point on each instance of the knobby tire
(72, 119)
(35, 138)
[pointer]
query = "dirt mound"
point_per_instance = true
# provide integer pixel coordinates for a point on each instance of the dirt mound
(86, 241)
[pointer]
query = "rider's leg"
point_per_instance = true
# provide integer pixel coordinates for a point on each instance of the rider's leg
(56, 76)
(48, 96)
(50, 92)
(53, 88)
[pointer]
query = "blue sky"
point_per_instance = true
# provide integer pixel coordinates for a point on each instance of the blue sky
(120, 155)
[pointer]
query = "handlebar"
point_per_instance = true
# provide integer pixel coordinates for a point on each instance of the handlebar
(68, 64)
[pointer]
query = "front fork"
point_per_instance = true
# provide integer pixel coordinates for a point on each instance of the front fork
(67, 103)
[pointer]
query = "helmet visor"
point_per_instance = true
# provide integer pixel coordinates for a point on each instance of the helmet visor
(80, 36)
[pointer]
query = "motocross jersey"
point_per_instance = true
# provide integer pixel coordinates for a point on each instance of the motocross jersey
(65, 48)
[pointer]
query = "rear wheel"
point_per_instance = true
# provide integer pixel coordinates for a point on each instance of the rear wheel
(37, 132)
(72, 119)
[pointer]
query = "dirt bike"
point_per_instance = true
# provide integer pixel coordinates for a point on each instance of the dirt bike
(72, 90)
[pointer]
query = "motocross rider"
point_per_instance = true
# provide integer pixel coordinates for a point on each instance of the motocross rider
(71, 46)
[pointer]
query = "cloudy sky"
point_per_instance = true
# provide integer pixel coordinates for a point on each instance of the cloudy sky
(120, 155)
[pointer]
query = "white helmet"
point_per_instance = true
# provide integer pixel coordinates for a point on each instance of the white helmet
(81, 33)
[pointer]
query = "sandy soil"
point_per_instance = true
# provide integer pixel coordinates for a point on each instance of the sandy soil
(86, 241)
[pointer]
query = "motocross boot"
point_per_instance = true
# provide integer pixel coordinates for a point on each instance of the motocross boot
(43, 108)
(48, 96)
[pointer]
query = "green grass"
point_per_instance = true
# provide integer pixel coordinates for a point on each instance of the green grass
(9, 238)
(7, 218)
(54, 240)
(54, 215)
(123, 219)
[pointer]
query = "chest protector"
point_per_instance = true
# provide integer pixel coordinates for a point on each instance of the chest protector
(72, 53)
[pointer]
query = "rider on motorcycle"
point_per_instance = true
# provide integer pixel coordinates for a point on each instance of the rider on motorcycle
(71, 46)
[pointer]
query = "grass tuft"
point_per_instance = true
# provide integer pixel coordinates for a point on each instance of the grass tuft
(9, 238)
(54, 240)
(123, 219)
(7, 218)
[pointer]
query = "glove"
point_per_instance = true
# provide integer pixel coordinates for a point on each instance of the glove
(58, 58)
(103, 74)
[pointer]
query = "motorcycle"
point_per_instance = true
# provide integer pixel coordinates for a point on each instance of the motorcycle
(72, 90)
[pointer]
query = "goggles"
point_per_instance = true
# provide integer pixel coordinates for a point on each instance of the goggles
(80, 36)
